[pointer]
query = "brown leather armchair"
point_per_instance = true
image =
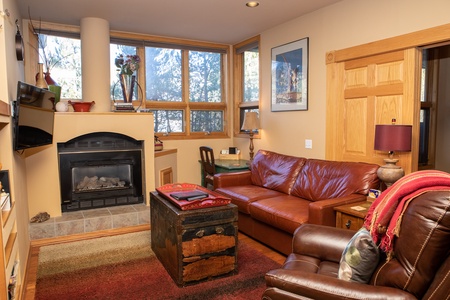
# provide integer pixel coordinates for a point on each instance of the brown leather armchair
(419, 269)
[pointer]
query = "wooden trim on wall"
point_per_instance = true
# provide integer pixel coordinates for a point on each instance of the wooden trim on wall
(422, 38)
(165, 176)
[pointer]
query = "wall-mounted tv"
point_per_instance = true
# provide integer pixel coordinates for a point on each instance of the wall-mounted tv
(33, 117)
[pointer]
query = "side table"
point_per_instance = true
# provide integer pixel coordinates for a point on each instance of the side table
(351, 216)
(194, 245)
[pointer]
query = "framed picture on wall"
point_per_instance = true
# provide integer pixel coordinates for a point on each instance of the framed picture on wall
(290, 76)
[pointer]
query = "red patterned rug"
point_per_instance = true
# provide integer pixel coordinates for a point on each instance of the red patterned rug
(124, 267)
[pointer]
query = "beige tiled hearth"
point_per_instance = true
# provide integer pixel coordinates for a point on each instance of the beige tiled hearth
(91, 220)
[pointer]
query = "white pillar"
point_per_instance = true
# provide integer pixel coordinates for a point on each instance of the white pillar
(95, 63)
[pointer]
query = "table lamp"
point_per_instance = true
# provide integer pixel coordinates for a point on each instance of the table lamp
(392, 138)
(251, 123)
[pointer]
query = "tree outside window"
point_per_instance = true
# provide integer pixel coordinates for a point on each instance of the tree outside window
(175, 99)
(61, 57)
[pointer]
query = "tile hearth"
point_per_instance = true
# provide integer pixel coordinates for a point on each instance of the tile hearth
(91, 220)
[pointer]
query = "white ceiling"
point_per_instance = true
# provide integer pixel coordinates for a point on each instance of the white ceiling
(220, 21)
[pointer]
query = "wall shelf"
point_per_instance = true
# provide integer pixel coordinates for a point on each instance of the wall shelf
(9, 252)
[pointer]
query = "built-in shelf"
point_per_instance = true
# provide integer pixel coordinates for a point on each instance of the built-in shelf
(165, 167)
(9, 253)
(165, 152)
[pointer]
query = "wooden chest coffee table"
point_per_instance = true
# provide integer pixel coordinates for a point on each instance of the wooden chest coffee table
(194, 245)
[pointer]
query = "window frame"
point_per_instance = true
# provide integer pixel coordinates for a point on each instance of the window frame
(238, 69)
(427, 136)
(187, 106)
(142, 40)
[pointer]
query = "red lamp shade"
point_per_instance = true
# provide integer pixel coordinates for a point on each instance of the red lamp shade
(393, 137)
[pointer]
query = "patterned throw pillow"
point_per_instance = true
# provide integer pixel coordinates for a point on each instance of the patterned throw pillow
(360, 258)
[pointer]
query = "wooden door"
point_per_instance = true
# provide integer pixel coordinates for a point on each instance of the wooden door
(367, 91)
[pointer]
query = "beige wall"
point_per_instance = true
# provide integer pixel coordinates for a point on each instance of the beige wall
(345, 24)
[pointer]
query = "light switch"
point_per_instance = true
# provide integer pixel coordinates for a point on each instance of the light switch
(308, 144)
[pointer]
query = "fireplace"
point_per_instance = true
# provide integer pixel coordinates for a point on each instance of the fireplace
(100, 169)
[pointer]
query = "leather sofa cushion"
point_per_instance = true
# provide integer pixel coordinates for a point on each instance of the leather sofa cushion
(310, 264)
(244, 195)
(284, 212)
(275, 171)
(324, 179)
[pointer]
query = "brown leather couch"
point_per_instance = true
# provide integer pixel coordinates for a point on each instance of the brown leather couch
(281, 192)
(419, 269)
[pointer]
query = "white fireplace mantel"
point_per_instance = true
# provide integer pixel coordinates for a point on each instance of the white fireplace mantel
(42, 163)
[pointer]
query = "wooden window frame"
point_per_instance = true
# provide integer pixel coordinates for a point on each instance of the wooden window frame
(142, 40)
(238, 87)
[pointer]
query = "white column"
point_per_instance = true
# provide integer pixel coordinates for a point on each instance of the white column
(95, 63)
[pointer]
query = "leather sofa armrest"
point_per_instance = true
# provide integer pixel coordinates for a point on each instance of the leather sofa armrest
(281, 283)
(322, 242)
(232, 179)
(322, 212)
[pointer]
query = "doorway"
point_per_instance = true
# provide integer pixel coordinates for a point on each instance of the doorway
(434, 139)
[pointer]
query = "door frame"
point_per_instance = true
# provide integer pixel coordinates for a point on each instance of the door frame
(412, 44)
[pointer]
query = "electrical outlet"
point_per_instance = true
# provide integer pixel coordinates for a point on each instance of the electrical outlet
(308, 144)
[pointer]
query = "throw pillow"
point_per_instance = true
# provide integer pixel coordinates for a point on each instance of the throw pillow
(360, 258)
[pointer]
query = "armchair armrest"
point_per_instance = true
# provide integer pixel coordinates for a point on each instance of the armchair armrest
(322, 212)
(281, 283)
(232, 179)
(322, 242)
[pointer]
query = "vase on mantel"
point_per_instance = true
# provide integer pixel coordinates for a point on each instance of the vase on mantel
(49, 79)
(40, 78)
(47, 76)
(127, 82)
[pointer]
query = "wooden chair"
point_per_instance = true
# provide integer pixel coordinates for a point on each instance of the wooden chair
(208, 166)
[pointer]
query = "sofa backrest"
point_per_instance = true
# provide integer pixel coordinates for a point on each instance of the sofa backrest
(420, 263)
(275, 171)
(325, 179)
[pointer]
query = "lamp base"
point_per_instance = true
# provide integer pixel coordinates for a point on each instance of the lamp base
(390, 172)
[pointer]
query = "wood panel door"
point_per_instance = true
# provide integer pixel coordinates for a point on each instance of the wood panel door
(367, 91)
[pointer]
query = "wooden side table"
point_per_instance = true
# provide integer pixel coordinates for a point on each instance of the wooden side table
(194, 245)
(351, 216)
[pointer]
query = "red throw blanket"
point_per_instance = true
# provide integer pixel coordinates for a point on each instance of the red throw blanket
(384, 217)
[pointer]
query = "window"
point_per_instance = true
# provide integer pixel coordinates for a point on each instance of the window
(61, 57)
(115, 88)
(185, 86)
(181, 82)
(247, 80)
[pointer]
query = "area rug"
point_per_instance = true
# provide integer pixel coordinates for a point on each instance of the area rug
(124, 267)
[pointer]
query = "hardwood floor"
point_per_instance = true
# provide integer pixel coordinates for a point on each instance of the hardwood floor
(31, 272)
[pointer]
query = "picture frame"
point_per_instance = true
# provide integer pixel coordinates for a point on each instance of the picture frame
(290, 76)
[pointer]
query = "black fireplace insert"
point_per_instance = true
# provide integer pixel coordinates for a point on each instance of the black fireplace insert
(100, 169)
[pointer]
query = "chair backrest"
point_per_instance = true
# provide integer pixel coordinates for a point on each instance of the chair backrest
(420, 264)
(208, 165)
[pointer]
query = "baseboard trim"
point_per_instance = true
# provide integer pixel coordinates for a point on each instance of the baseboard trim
(87, 236)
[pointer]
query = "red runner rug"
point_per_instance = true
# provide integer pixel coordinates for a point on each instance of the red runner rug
(145, 278)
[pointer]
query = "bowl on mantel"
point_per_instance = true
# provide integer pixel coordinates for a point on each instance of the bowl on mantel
(82, 106)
